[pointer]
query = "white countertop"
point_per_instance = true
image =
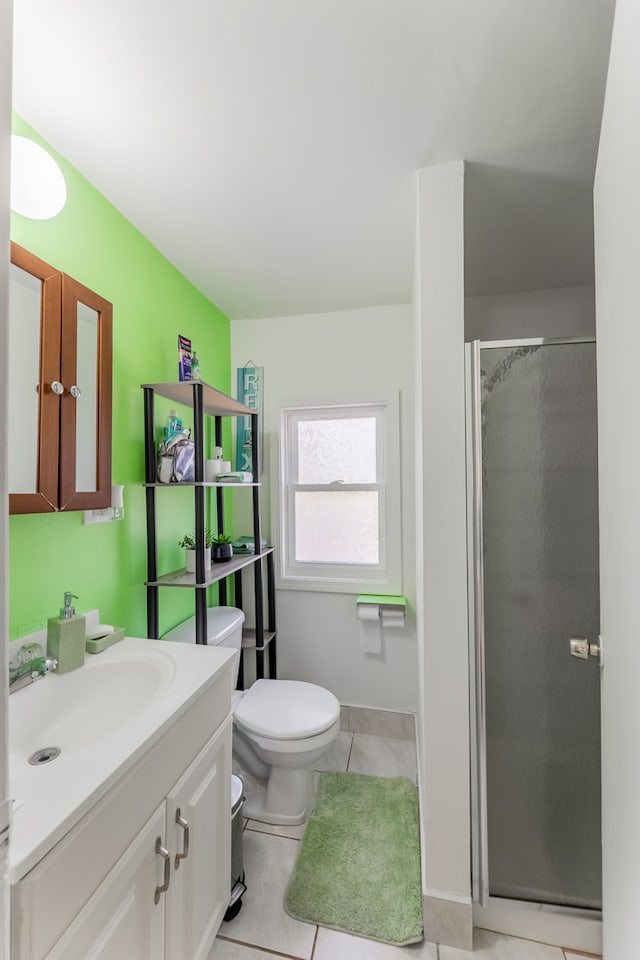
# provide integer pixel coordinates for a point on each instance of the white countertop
(104, 717)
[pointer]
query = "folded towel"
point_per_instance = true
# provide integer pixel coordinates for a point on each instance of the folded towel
(235, 476)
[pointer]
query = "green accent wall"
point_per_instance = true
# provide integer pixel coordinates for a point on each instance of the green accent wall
(105, 564)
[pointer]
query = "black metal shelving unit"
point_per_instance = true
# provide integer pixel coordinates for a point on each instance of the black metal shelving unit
(207, 401)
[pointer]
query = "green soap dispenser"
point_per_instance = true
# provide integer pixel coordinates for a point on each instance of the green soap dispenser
(66, 636)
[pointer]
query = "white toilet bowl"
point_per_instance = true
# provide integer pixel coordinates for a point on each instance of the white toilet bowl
(281, 730)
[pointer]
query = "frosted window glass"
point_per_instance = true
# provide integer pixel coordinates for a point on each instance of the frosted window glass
(25, 294)
(336, 527)
(87, 403)
(342, 449)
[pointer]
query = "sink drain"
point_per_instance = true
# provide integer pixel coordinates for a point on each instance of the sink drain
(46, 755)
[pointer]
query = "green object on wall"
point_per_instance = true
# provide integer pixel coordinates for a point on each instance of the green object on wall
(392, 601)
(152, 303)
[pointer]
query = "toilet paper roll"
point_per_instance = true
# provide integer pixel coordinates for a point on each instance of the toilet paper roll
(390, 617)
(370, 628)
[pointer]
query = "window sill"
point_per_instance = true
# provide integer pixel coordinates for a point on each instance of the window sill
(338, 585)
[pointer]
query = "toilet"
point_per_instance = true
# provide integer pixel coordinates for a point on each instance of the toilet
(281, 729)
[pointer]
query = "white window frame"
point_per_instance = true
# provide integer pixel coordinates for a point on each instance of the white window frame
(386, 575)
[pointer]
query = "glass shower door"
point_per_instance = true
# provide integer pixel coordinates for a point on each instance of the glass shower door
(539, 723)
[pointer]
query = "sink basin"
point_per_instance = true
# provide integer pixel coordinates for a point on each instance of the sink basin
(102, 718)
(75, 710)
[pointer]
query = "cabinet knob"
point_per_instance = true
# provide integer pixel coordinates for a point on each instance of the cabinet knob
(56, 387)
(75, 392)
(166, 856)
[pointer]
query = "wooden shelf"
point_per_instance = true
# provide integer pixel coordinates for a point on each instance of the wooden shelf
(215, 403)
(202, 483)
(180, 578)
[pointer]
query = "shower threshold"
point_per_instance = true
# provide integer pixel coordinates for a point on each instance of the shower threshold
(573, 927)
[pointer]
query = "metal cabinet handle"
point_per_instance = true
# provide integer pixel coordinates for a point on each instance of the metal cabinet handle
(185, 842)
(166, 856)
(75, 392)
(56, 387)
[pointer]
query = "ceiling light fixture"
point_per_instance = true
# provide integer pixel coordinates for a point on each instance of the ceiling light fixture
(38, 187)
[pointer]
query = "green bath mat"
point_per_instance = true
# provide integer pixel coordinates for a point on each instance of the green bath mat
(358, 869)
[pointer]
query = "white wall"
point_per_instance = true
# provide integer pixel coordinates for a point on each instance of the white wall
(5, 133)
(333, 355)
(562, 312)
(617, 247)
(441, 525)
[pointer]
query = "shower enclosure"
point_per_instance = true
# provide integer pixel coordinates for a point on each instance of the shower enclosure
(533, 527)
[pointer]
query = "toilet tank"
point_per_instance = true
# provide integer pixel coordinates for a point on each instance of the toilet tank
(224, 628)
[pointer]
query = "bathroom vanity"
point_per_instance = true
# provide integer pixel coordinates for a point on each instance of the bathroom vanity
(121, 846)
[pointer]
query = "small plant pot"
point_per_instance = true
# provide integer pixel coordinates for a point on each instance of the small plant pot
(221, 552)
(191, 560)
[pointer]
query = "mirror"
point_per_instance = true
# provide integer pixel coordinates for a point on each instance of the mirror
(25, 294)
(86, 384)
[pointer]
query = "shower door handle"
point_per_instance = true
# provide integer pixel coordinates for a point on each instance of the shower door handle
(581, 648)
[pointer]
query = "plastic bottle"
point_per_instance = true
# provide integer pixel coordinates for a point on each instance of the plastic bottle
(174, 425)
(195, 367)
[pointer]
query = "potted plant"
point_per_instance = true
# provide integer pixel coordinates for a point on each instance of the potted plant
(222, 548)
(189, 544)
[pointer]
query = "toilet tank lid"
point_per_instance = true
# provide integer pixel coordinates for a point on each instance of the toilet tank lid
(221, 622)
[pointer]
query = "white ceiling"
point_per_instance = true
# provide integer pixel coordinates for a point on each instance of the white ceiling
(268, 147)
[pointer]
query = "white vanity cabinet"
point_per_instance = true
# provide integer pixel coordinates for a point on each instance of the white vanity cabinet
(200, 844)
(97, 895)
(121, 919)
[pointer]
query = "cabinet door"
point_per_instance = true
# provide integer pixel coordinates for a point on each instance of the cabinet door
(34, 370)
(201, 881)
(121, 919)
(60, 367)
(85, 412)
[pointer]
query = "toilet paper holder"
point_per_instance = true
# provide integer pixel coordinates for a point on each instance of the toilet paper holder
(393, 606)
(376, 613)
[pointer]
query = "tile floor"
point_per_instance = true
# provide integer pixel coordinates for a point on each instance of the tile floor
(263, 931)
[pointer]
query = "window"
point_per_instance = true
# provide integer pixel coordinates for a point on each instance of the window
(340, 496)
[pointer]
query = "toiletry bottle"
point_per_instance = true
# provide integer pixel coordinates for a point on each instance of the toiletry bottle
(66, 637)
(195, 367)
(174, 425)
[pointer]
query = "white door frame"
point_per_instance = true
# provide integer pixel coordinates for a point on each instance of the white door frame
(617, 255)
(6, 11)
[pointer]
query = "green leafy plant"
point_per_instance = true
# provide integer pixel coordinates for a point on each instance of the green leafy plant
(189, 540)
(222, 538)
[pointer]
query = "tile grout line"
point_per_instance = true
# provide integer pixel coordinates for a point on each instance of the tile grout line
(253, 946)
(268, 833)
(315, 940)
(350, 751)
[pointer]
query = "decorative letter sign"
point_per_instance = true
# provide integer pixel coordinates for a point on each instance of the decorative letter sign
(250, 392)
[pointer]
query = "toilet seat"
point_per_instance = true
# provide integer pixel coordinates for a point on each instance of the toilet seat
(286, 710)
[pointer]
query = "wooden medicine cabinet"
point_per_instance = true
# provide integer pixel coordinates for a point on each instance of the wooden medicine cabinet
(60, 364)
